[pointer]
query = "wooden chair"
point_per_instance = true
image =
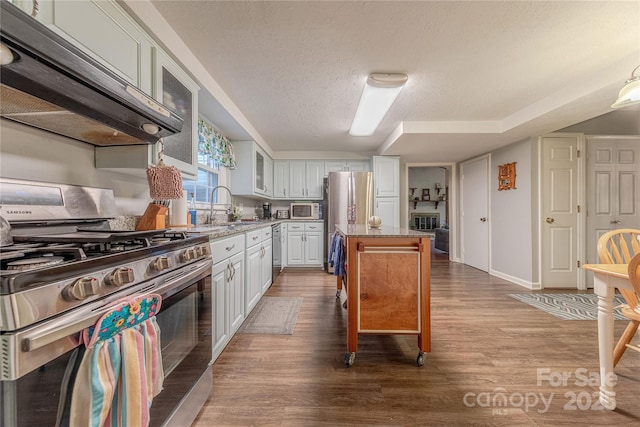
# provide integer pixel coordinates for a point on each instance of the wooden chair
(619, 247)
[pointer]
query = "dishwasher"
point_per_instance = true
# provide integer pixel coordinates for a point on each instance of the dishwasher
(277, 251)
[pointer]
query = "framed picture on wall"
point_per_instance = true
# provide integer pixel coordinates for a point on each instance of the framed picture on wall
(507, 176)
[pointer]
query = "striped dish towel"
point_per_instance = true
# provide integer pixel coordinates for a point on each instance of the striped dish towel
(121, 371)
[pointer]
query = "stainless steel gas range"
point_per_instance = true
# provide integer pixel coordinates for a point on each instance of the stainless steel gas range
(64, 270)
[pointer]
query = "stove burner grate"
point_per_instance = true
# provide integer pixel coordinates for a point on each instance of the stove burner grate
(32, 263)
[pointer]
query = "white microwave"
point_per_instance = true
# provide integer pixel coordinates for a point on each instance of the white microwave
(305, 210)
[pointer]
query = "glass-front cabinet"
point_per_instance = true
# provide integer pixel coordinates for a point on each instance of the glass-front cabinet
(175, 89)
(253, 175)
(105, 31)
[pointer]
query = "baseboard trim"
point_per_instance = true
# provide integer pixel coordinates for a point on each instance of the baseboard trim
(515, 280)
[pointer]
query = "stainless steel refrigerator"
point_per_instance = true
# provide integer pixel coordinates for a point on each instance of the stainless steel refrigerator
(346, 194)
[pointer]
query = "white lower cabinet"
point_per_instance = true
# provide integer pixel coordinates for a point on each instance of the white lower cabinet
(388, 209)
(305, 244)
(259, 257)
(227, 285)
(267, 265)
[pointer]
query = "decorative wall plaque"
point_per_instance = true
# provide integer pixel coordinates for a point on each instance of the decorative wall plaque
(507, 176)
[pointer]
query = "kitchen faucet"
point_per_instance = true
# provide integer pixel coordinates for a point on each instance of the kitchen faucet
(228, 210)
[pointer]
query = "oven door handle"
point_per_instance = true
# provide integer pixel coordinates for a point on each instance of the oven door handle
(172, 285)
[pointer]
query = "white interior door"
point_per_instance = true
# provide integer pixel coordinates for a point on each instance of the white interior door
(559, 228)
(613, 189)
(475, 217)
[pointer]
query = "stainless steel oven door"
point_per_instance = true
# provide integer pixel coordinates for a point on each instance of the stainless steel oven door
(39, 362)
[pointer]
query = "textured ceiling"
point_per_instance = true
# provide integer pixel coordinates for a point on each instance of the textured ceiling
(481, 74)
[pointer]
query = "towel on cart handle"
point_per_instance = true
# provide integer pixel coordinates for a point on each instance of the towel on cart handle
(336, 255)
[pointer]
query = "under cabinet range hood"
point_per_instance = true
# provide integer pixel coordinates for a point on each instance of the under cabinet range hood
(48, 83)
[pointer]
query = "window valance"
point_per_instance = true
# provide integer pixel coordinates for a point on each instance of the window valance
(214, 143)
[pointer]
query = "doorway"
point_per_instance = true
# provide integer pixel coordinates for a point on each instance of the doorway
(430, 195)
(613, 189)
(475, 213)
(561, 215)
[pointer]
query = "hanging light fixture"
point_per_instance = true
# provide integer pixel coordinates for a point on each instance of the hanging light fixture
(630, 92)
(377, 97)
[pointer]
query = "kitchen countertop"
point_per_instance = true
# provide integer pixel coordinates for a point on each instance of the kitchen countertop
(215, 231)
(360, 230)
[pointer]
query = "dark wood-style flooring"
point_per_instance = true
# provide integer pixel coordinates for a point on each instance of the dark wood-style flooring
(486, 347)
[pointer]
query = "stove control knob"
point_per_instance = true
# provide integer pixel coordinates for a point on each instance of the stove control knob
(202, 250)
(189, 254)
(81, 289)
(161, 263)
(120, 277)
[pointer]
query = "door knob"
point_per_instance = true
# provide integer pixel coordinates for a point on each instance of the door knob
(483, 219)
(616, 221)
(550, 220)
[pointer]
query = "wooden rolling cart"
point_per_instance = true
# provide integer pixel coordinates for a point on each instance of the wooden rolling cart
(388, 285)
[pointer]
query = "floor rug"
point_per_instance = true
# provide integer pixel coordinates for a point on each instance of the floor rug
(569, 306)
(273, 315)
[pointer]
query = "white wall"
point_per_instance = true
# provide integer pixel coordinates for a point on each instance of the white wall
(512, 237)
(32, 154)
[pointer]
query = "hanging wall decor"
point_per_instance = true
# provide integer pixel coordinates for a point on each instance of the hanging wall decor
(507, 176)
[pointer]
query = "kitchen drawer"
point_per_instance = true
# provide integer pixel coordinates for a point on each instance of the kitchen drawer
(313, 226)
(266, 233)
(253, 237)
(224, 248)
(296, 226)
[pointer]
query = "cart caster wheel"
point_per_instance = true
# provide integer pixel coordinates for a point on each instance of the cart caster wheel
(337, 294)
(349, 358)
(420, 360)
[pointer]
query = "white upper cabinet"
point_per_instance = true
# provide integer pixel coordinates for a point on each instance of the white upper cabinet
(253, 174)
(280, 179)
(297, 180)
(305, 179)
(314, 176)
(386, 176)
(348, 165)
(104, 31)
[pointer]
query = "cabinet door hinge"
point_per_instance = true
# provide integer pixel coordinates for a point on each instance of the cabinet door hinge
(578, 263)
(578, 153)
(578, 208)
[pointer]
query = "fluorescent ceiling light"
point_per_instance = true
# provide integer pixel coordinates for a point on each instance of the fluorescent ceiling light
(377, 97)
(630, 92)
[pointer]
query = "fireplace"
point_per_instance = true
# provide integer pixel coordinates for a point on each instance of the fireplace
(425, 221)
